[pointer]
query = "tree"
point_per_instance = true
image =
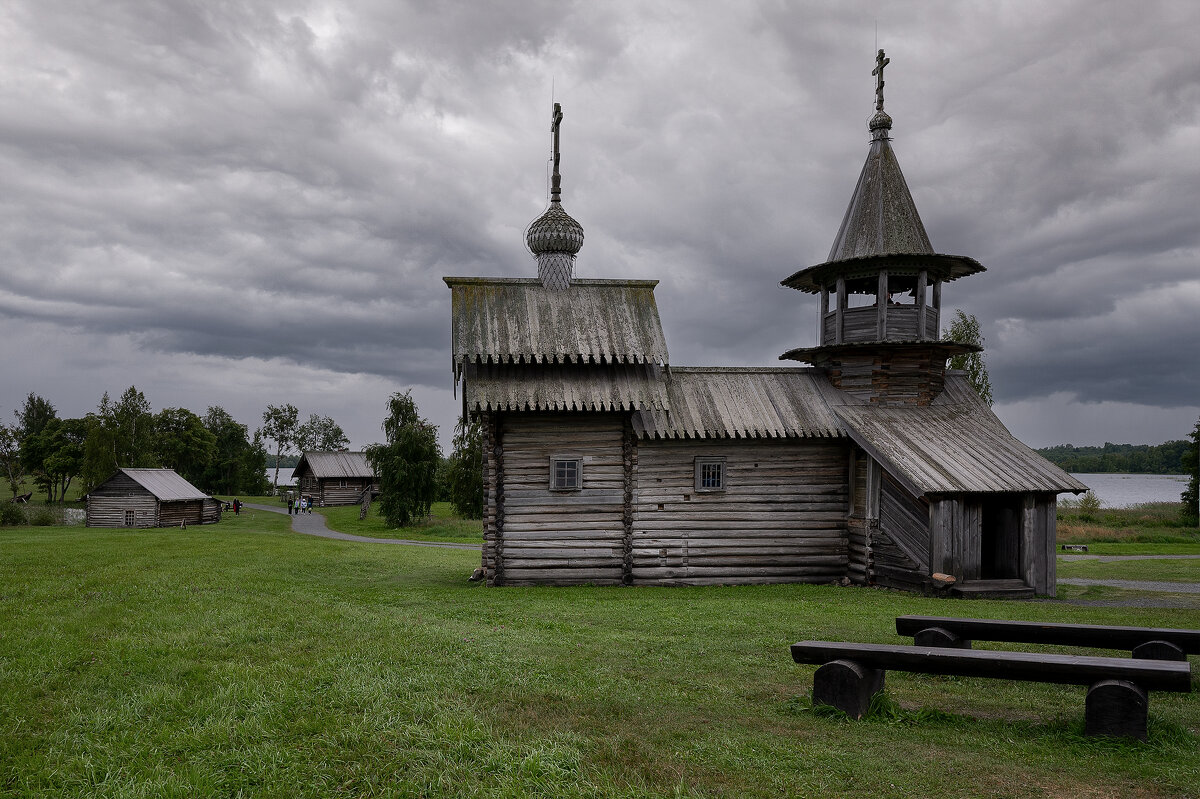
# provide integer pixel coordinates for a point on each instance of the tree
(10, 457)
(34, 414)
(132, 426)
(57, 452)
(965, 330)
(320, 434)
(1191, 494)
(238, 465)
(280, 425)
(464, 471)
(182, 443)
(407, 463)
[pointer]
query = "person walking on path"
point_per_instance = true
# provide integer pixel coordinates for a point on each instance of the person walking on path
(289, 506)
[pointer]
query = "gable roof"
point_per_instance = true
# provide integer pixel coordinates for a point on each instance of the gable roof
(728, 402)
(518, 320)
(325, 465)
(955, 445)
(165, 484)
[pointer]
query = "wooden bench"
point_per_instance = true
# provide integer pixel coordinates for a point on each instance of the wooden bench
(1117, 698)
(1153, 643)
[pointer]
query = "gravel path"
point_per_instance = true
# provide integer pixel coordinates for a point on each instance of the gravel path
(314, 524)
(1136, 585)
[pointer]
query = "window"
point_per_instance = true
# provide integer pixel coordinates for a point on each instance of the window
(129, 519)
(710, 474)
(566, 474)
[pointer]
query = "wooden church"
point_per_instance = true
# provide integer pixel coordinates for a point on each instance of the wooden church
(605, 464)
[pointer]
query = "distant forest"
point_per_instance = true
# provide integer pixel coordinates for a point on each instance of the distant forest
(1166, 458)
(286, 462)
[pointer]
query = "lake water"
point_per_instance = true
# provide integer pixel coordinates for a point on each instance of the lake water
(285, 476)
(1123, 490)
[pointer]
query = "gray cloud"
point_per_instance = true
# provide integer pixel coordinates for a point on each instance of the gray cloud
(281, 185)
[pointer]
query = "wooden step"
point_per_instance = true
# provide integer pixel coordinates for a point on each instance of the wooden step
(992, 589)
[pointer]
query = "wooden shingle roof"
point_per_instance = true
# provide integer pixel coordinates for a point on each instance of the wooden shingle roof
(518, 320)
(165, 484)
(955, 445)
(325, 465)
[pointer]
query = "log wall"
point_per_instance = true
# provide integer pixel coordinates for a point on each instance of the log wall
(332, 492)
(900, 546)
(560, 537)
(782, 517)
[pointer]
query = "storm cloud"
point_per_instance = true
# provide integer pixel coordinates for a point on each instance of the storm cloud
(243, 203)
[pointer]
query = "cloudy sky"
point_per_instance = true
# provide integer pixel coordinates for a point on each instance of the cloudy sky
(254, 201)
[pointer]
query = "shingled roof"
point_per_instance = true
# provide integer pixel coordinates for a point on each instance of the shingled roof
(326, 465)
(955, 445)
(518, 320)
(165, 484)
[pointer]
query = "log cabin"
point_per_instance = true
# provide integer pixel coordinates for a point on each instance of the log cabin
(873, 465)
(149, 498)
(335, 478)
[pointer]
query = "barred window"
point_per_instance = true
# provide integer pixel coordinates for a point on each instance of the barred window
(566, 474)
(710, 474)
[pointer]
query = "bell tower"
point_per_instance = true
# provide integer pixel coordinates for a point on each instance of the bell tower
(881, 287)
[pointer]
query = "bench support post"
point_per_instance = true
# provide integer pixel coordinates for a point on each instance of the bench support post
(1158, 650)
(1116, 708)
(847, 685)
(941, 637)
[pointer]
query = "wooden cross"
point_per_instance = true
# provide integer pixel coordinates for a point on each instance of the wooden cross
(556, 180)
(880, 63)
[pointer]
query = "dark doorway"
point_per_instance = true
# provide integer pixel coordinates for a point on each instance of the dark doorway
(1000, 546)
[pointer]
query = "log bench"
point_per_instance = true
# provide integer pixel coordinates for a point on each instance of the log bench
(1117, 699)
(1154, 643)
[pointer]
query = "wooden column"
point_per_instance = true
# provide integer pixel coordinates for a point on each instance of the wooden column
(937, 307)
(922, 282)
(840, 314)
(824, 313)
(881, 301)
(493, 508)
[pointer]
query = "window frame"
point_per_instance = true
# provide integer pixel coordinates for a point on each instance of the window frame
(555, 460)
(700, 462)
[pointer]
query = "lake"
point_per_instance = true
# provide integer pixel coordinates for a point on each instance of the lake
(1123, 490)
(285, 476)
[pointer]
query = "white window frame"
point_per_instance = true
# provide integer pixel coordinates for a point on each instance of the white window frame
(555, 460)
(711, 460)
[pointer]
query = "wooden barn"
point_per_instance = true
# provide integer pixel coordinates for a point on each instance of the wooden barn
(149, 498)
(605, 464)
(335, 478)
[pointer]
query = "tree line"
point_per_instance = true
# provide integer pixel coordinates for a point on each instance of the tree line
(213, 451)
(1165, 458)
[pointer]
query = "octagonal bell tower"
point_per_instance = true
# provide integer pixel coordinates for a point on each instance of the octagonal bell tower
(881, 287)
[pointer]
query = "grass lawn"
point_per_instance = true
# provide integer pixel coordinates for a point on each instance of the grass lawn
(1153, 523)
(240, 659)
(1187, 571)
(442, 525)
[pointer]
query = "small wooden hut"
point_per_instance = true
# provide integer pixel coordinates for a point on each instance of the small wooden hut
(335, 478)
(149, 498)
(605, 464)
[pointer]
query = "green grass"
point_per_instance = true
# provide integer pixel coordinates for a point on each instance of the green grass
(1166, 570)
(442, 525)
(239, 659)
(1141, 529)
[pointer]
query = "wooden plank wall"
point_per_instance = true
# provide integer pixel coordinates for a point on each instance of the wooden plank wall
(956, 535)
(781, 519)
(173, 514)
(333, 493)
(900, 546)
(857, 542)
(561, 538)
(108, 502)
(1039, 558)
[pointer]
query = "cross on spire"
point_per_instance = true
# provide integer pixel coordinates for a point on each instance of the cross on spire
(556, 180)
(880, 63)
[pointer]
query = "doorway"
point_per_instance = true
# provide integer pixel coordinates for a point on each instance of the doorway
(1000, 544)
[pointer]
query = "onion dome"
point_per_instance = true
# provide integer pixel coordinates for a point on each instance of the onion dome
(554, 231)
(555, 237)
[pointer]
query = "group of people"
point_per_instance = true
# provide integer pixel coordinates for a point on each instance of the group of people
(300, 505)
